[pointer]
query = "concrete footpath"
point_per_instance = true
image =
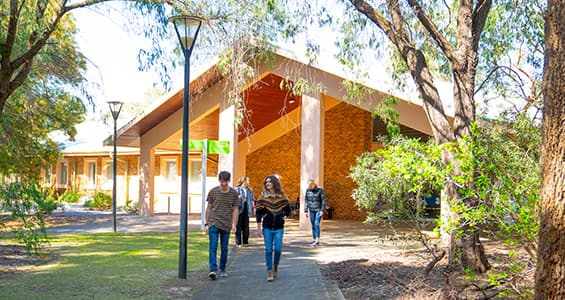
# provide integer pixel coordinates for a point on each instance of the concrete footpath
(299, 274)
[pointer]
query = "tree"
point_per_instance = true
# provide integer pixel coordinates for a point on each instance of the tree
(462, 54)
(39, 60)
(550, 272)
(435, 41)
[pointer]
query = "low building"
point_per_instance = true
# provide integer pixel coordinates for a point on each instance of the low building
(315, 135)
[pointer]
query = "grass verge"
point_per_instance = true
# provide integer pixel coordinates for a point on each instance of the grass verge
(109, 266)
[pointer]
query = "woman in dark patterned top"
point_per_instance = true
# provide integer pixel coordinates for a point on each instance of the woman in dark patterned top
(272, 208)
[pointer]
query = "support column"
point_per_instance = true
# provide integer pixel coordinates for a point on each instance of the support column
(227, 131)
(312, 152)
(146, 180)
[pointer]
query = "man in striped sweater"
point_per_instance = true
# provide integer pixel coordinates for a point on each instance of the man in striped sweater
(222, 213)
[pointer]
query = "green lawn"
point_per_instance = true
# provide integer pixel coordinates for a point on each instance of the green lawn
(109, 266)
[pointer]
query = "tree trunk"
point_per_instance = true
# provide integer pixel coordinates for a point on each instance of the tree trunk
(465, 251)
(550, 272)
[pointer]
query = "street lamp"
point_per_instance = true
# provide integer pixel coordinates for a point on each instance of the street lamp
(115, 109)
(187, 28)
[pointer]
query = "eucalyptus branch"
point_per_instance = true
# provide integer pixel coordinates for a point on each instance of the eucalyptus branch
(480, 14)
(368, 10)
(11, 34)
(448, 14)
(432, 29)
(83, 3)
(496, 68)
(38, 45)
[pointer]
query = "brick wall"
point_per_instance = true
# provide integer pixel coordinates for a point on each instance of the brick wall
(347, 135)
(281, 156)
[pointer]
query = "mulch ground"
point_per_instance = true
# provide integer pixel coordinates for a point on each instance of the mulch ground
(399, 275)
(15, 257)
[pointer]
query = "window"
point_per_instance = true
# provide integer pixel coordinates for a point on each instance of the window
(195, 178)
(109, 170)
(63, 174)
(91, 173)
(169, 174)
(108, 173)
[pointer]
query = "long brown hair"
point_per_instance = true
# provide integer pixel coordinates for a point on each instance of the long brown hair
(276, 184)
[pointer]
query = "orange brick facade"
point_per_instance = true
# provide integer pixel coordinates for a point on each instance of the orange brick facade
(347, 135)
(282, 157)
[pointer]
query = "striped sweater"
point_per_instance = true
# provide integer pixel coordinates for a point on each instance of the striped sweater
(271, 210)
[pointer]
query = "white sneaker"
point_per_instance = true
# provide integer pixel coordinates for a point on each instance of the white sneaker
(223, 274)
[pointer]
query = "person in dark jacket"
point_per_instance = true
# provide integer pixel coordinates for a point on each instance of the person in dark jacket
(246, 209)
(315, 203)
(271, 209)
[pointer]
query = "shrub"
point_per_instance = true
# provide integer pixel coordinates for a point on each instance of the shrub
(100, 201)
(22, 200)
(131, 206)
(69, 196)
(47, 204)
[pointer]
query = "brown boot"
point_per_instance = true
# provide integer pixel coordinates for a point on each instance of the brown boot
(275, 270)
(270, 276)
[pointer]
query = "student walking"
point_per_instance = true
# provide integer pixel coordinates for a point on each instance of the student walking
(315, 203)
(246, 208)
(272, 208)
(221, 218)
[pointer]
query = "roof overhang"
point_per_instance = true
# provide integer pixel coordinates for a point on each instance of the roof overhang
(267, 83)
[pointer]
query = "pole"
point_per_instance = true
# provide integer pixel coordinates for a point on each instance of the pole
(184, 172)
(204, 162)
(114, 179)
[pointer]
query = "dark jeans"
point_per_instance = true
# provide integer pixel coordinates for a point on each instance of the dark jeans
(242, 231)
(213, 233)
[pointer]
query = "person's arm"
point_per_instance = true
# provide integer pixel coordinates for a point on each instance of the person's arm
(258, 218)
(306, 203)
(235, 217)
(253, 200)
(208, 209)
(286, 210)
(323, 200)
(235, 214)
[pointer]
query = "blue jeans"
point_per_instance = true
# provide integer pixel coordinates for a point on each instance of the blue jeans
(315, 219)
(213, 234)
(272, 237)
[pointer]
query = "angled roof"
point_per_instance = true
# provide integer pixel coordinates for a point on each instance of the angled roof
(130, 133)
(88, 141)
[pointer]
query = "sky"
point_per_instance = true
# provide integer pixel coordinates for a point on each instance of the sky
(111, 52)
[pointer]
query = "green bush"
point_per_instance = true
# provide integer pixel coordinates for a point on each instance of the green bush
(99, 201)
(131, 206)
(69, 196)
(24, 201)
(47, 204)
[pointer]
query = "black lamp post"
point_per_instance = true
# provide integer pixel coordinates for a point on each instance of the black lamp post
(115, 109)
(187, 28)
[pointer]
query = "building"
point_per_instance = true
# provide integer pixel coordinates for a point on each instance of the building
(315, 135)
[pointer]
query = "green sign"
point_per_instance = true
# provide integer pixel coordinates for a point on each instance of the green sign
(218, 147)
(213, 147)
(194, 144)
